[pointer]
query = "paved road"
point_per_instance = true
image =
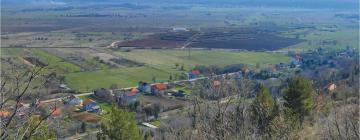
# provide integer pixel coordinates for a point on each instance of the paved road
(58, 99)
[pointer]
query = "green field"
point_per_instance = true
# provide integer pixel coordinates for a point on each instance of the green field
(161, 64)
(124, 77)
(166, 59)
(55, 62)
(158, 63)
(343, 36)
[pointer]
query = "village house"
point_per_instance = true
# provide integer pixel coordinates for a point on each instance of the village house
(281, 66)
(296, 61)
(193, 74)
(105, 94)
(56, 112)
(348, 52)
(128, 97)
(88, 105)
(4, 114)
(157, 89)
(95, 109)
(23, 109)
(216, 83)
(73, 100)
(144, 87)
(63, 87)
(131, 96)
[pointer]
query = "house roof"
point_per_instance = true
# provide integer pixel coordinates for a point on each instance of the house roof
(195, 72)
(71, 97)
(56, 111)
(217, 83)
(332, 87)
(88, 101)
(297, 56)
(160, 86)
(132, 92)
(4, 113)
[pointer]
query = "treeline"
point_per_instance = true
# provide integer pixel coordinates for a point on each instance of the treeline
(301, 113)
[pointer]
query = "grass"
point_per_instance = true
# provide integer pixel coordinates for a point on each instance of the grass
(185, 89)
(55, 62)
(124, 77)
(161, 63)
(155, 122)
(97, 63)
(8, 52)
(166, 59)
(158, 63)
(344, 36)
(104, 105)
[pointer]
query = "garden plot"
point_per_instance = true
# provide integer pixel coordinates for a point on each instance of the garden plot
(91, 59)
(165, 103)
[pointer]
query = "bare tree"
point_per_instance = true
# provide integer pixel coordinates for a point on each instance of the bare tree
(15, 86)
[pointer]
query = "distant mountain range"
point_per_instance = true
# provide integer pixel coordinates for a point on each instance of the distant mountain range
(308, 4)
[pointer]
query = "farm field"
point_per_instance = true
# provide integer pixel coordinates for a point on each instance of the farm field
(167, 58)
(161, 64)
(157, 63)
(53, 62)
(66, 39)
(335, 39)
(223, 38)
(124, 77)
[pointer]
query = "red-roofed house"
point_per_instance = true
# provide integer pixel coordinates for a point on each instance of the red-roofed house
(132, 92)
(155, 89)
(4, 113)
(131, 96)
(193, 74)
(56, 111)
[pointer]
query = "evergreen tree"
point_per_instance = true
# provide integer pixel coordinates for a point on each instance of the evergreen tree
(299, 96)
(121, 125)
